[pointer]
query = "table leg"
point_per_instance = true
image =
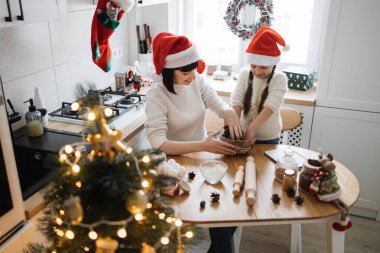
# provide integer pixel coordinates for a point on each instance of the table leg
(335, 239)
(236, 239)
(295, 238)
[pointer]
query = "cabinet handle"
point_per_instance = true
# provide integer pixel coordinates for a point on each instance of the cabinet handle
(9, 18)
(21, 17)
(140, 1)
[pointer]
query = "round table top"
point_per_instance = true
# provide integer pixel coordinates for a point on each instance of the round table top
(232, 209)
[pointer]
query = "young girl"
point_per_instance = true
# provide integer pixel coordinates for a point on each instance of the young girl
(260, 90)
(177, 103)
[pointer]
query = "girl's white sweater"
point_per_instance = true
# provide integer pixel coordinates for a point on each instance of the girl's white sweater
(181, 116)
(278, 86)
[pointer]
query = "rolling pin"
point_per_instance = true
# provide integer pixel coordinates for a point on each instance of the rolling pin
(250, 181)
(238, 182)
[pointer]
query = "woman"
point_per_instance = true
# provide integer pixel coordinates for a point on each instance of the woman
(177, 103)
(176, 107)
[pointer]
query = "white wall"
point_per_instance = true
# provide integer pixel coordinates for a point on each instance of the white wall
(54, 56)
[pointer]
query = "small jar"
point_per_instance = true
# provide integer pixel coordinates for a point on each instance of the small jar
(284, 163)
(289, 180)
(306, 176)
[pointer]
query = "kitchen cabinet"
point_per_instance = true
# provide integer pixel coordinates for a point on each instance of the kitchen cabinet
(347, 115)
(27, 234)
(352, 137)
(29, 11)
(142, 3)
(80, 5)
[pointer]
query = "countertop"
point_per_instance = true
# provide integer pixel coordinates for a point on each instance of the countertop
(296, 97)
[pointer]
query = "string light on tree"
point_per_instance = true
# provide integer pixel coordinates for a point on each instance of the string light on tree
(93, 235)
(189, 234)
(70, 234)
(122, 233)
(90, 187)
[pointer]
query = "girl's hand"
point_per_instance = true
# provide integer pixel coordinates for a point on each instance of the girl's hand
(250, 134)
(216, 146)
(231, 119)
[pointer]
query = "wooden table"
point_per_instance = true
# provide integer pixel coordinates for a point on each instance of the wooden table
(232, 211)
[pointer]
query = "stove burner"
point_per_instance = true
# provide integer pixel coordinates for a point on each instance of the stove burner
(128, 100)
(106, 97)
(66, 111)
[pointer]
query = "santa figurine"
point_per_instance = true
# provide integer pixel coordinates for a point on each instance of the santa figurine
(325, 185)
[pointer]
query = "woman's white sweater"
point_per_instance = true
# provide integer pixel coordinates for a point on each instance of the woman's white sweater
(278, 86)
(181, 116)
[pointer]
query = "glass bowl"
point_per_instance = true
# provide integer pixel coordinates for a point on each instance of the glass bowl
(213, 170)
(241, 146)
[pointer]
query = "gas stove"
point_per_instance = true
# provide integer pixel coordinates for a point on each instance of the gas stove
(125, 108)
(32, 154)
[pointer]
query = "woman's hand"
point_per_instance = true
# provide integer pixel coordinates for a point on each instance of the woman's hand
(231, 119)
(216, 146)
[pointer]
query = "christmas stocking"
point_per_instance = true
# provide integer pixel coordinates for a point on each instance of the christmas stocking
(106, 19)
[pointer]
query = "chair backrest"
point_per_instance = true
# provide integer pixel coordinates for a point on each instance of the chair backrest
(290, 118)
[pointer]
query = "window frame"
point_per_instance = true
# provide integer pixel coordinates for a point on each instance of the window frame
(182, 20)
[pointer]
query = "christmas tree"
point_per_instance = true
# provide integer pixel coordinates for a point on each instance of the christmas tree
(105, 197)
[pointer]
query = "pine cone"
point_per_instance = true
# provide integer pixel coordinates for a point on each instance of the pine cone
(191, 175)
(291, 192)
(275, 198)
(298, 200)
(215, 197)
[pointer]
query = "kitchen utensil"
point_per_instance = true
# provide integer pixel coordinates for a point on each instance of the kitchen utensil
(142, 45)
(149, 37)
(15, 116)
(147, 41)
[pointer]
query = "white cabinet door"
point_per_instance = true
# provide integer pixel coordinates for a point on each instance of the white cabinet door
(9, 14)
(43, 10)
(353, 138)
(80, 5)
(32, 11)
(348, 75)
(142, 3)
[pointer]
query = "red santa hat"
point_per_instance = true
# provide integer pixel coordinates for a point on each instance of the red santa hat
(263, 49)
(173, 51)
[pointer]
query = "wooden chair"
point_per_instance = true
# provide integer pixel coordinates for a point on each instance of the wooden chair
(291, 127)
(291, 118)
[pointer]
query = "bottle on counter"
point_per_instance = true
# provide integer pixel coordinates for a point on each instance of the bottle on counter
(40, 106)
(33, 120)
(286, 162)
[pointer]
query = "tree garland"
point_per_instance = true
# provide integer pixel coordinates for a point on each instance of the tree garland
(244, 31)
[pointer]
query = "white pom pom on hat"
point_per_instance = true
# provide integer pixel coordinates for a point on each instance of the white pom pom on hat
(263, 49)
(125, 5)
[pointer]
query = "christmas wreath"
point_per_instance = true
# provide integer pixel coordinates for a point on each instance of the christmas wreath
(244, 31)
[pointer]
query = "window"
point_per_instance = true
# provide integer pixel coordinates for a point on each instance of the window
(298, 21)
